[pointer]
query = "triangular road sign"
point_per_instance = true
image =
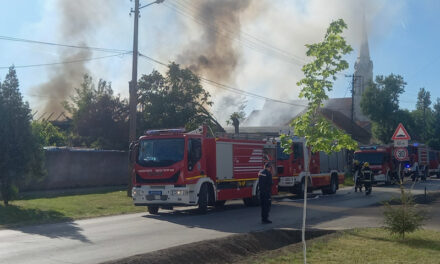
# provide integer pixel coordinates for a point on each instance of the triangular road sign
(401, 133)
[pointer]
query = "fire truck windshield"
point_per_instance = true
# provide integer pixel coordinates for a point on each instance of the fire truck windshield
(160, 152)
(375, 158)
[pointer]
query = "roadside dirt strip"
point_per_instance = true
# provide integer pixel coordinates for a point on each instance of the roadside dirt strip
(224, 250)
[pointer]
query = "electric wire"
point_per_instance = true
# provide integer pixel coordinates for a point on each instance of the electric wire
(65, 62)
(62, 45)
(228, 87)
(226, 32)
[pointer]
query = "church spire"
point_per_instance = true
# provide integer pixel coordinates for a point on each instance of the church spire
(363, 72)
(364, 52)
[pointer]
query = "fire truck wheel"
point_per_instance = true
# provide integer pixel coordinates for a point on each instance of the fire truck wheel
(153, 209)
(333, 185)
(254, 200)
(203, 198)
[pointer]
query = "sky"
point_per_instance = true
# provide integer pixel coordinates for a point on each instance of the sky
(403, 39)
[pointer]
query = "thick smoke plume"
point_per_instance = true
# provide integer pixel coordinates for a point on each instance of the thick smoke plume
(288, 25)
(215, 55)
(78, 20)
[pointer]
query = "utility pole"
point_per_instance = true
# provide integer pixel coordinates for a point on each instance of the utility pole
(133, 83)
(132, 86)
(353, 83)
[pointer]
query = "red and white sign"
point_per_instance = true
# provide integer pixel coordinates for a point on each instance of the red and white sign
(400, 133)
(401, 154)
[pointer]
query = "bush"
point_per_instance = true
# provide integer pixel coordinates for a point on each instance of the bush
(348, 179)
(404, 217)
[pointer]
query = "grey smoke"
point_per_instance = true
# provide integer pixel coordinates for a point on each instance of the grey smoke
(215, 55)
(79, 19)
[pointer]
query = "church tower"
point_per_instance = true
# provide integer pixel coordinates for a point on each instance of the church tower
(363, 74)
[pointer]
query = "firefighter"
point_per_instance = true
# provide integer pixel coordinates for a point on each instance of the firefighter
(367, 178)
(357, 175)
(265, 183)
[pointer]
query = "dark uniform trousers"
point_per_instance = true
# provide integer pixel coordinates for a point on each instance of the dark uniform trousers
(265, 182)
(266, 202)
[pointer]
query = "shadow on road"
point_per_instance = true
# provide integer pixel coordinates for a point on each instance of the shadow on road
(237, 218)
(12, 216)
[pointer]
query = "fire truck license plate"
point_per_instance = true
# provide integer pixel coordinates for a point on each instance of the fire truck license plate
(155, 192)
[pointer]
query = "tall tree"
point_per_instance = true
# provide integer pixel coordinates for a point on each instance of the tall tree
(174, 100)
(423, 113)
(21, 157)
(100, 119)
(434, 141)
(320, 134)
(380, 102)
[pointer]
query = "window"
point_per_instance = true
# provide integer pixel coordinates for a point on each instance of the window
(297, 150)
(194, 152)
(160, 152)
(280, 153)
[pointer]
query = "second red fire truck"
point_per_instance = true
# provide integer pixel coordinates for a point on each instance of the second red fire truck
(326, 171)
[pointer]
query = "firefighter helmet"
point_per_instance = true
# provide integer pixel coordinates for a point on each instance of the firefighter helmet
(366, 164)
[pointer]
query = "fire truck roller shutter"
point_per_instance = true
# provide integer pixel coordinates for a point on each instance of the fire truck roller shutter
(334, 161)
(224, 160)
(342, 160)
(324, 162)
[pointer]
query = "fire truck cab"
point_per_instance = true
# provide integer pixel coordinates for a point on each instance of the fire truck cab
(381, 161)
(174, 168)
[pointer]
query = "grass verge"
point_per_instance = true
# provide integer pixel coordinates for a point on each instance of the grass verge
(59, 206)
(363, 246)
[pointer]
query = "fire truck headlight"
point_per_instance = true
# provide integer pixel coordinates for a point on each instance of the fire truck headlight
(179, 192)
(133, 192)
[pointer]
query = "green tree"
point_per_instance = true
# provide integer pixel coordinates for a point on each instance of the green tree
(320, 134)
(21, 157)
(434, 141)
(174, 100)
(422, 115)
(404, 217)
(100, 119)
(380, 102)
(48, 134)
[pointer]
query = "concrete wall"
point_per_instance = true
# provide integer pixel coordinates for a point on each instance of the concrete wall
(72, 168)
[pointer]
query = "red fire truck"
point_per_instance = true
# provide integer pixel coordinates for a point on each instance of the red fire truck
(326, 171)
(381, 161)
(434, 163)
(422, 161)
(174, 168)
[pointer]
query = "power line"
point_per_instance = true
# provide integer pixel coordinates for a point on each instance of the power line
(246, 42)
(227, 87)
(65, 62)
(255, 39)
(62, 45)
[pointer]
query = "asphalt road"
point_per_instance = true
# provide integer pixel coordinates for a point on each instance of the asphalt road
(107, 238)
